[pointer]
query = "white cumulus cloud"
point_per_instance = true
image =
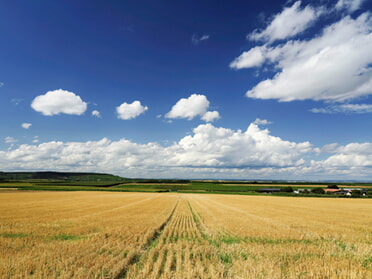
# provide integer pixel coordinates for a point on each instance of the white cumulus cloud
(259, 121)
(26, 125)
(221, 147)
(354, 159)
(129, 111)
(207, 147)
(96, 113)
(290, 22)
(189, 108)
(195, 105)
(59, 101)
(208, 152)
(211, 116)
(326, 67)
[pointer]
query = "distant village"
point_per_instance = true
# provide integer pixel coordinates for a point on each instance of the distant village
(330, 190)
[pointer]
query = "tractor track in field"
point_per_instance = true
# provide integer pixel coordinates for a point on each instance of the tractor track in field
(135, 257)
(178, 249)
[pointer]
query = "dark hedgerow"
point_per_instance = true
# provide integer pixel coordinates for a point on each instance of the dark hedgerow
(317, 190)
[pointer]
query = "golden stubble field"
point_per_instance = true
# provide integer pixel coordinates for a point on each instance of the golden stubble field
(150, 235)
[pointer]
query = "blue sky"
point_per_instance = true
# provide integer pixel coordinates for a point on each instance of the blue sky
(188, 89)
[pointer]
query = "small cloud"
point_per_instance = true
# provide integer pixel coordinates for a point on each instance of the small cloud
(252, 58)
(356, 108)
(349, 5)
(290, 22)
(345, 108)
(59, 101)
(36, 139)
(204, 37)
(189, 108)
(10, 140)
(195, 39)
(259, 121)
(26, 125)
(211, 116)
(327, 110)
(1, 84)
(195, 105)
(96, 113)
(129, 111)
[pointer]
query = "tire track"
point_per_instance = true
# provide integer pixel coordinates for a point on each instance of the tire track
(135, 256)
(180, 249)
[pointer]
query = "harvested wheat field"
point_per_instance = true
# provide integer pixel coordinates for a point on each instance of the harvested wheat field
(150, 235)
